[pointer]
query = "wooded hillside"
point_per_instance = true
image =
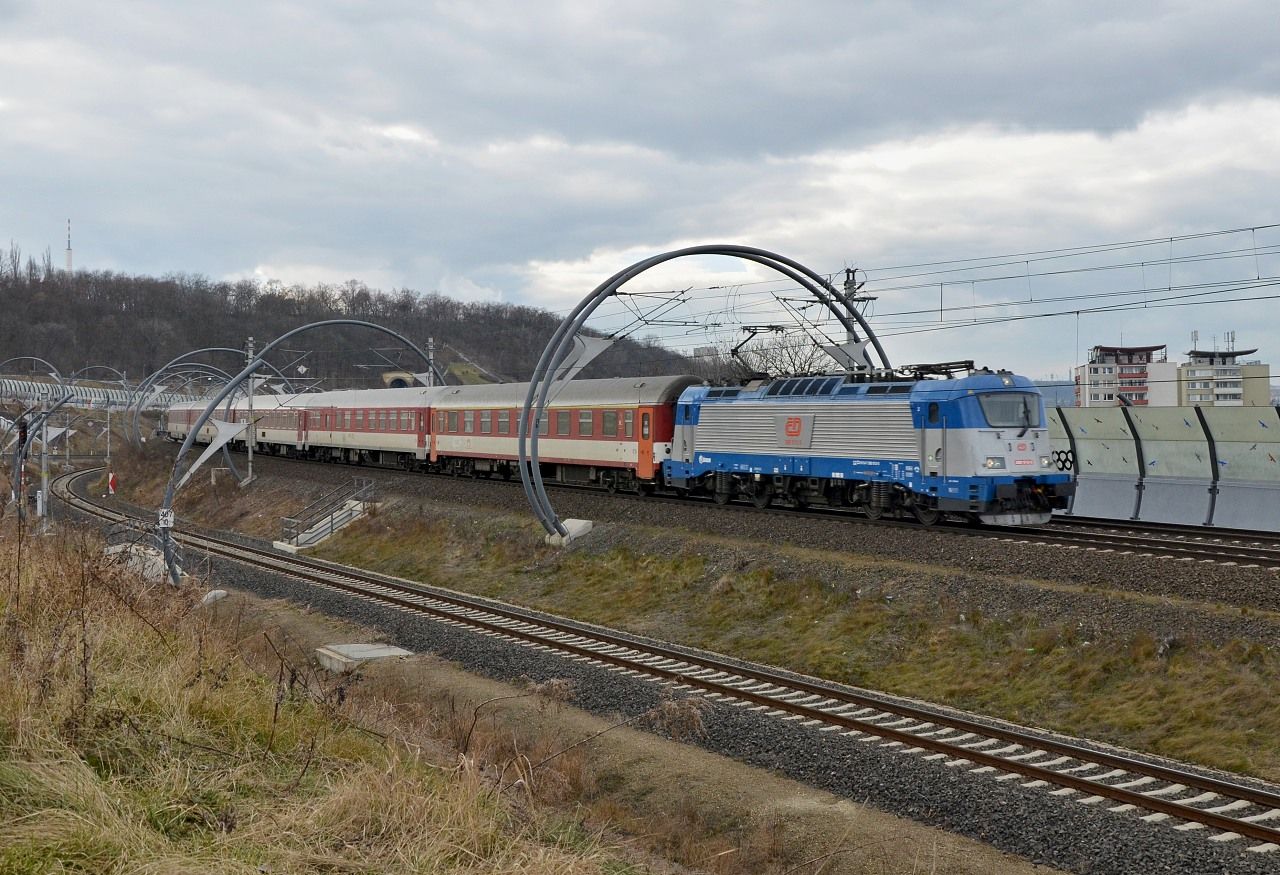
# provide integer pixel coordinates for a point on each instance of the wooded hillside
(138, 323)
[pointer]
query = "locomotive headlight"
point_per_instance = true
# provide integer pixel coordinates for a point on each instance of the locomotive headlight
(1045, 461)
(994, 463)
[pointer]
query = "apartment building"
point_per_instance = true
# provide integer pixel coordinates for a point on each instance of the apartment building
(1117, 372)
(1212, 378)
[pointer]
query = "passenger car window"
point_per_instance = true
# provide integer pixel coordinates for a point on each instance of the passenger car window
(644, 426)
(586, 422)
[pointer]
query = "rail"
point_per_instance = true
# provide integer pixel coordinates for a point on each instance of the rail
(1182, 797)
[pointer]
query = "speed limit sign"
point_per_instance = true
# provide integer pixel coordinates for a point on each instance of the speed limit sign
(166, 519)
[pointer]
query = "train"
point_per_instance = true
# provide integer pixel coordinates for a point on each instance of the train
(975, 446)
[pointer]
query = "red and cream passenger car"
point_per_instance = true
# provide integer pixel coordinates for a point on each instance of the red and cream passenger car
(612, 432)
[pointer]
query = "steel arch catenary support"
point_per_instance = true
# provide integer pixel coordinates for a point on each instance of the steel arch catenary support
(80, 374)
(166, 507)
(140, 393)
(558, 348)
(179, 371)
(54, 372)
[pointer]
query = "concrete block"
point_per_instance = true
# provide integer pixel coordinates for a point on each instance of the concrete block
(575, 529)
(285, 546)
(138, 558)
(343, 658)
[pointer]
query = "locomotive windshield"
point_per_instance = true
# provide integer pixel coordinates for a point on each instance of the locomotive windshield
(1011, 409)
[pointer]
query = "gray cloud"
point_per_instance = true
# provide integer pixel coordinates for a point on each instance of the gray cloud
(521, 151)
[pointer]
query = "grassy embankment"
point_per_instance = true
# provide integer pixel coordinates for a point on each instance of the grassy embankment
(1184, 699)
(136, 735)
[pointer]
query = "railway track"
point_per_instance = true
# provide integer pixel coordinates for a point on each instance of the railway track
(1223, 810)
(1253, 550)
(1188, 543)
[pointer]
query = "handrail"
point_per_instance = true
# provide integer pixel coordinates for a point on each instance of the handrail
(327, 506)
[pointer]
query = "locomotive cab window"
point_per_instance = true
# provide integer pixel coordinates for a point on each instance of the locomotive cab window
(934, 415)
(1011, 409)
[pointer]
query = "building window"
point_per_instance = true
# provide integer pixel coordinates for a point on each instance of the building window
(586, 422)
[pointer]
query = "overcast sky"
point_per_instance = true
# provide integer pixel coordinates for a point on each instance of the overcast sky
(525, 151)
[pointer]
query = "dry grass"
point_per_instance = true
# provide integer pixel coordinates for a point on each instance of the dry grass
(138, 736)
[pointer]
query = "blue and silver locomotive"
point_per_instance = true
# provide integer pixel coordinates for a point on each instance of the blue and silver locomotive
(976, 445)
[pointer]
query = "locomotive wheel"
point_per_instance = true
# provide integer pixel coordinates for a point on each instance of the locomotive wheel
(927, 516)
(722, 497)
(762, 497)
(873, 512)
(610, 483)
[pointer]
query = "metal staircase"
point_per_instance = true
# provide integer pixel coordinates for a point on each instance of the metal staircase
(326, 515)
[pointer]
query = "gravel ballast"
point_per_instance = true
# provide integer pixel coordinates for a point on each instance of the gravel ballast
(1028, 822)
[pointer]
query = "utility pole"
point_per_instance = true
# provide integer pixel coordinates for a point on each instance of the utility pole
(108, 438)
(44, 468)
(431, 361)
(251, 431)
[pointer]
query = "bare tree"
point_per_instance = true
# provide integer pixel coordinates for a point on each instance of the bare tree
(785, 355)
